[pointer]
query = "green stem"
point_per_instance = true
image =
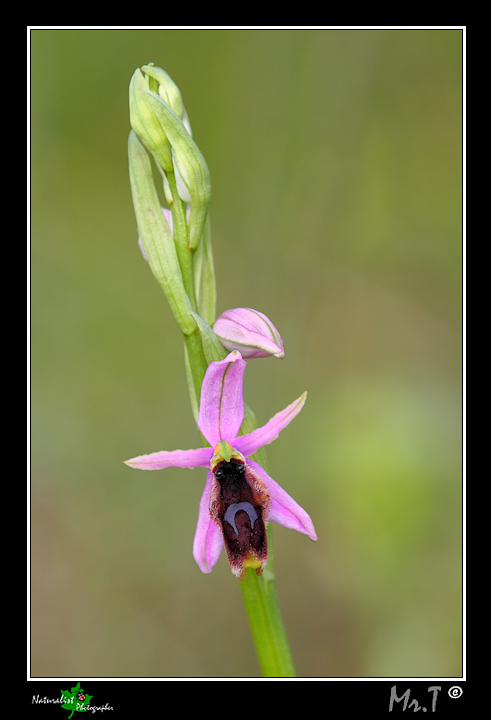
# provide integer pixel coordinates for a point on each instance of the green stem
(266, 623)
(181, 240)
(260, 599)
(195, 368)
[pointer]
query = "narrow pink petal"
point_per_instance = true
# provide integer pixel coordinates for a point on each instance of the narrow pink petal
(222, 406)
(284, 510)
(174, 458)
(208, 539)
(248, 444)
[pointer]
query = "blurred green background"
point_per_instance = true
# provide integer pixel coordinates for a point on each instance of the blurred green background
(336, 166)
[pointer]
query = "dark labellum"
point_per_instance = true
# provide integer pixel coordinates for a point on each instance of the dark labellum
(239, 503)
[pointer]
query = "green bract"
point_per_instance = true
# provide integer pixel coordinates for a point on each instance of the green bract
(212, 347)
(156, 236)
(204, 276)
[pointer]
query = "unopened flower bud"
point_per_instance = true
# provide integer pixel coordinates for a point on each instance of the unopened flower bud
(250, 332)
(164, 85)
(145, 122)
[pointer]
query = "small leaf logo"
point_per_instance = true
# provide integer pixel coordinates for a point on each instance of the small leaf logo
(75, 700)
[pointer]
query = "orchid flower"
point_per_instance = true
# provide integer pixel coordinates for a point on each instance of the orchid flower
(239, 495)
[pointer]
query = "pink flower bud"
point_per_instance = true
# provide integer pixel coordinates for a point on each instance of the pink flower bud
(250, 332)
